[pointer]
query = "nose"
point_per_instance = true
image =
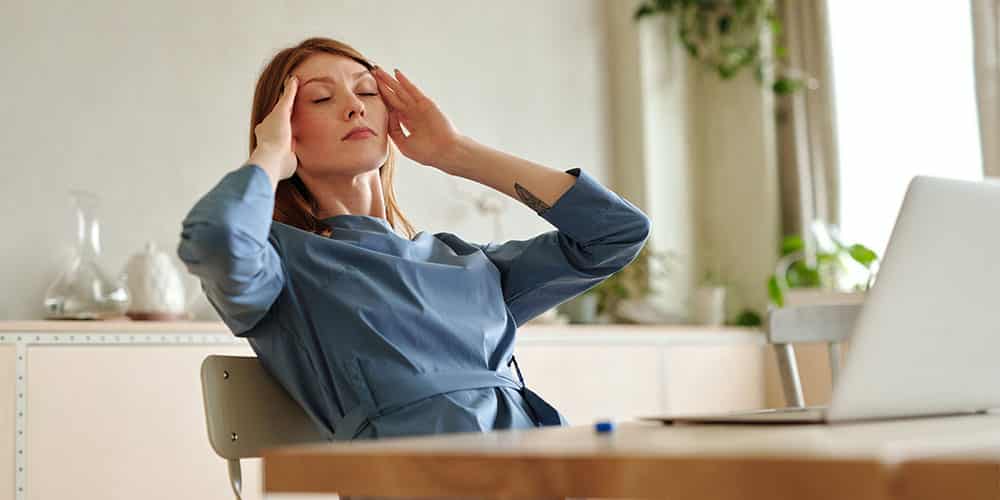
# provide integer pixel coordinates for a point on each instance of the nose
(354, 107)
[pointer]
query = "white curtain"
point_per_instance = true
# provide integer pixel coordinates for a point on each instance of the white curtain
(986, 33)
(806, 124)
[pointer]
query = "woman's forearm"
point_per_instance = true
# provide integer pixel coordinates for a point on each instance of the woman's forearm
(535, 185)
(270, 161)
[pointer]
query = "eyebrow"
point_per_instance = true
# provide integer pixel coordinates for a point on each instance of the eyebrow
(331, 80)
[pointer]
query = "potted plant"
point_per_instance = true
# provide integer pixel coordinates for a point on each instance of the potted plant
(634, 281)
(708, 302)
(838, 269)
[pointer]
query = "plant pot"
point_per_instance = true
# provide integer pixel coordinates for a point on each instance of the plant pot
(709, 305)
(582, 309)
(816, 296)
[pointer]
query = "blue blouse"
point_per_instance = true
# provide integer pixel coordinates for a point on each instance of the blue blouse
(376, 335)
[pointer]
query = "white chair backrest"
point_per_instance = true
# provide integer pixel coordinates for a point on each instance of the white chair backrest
(246, 410)
(811, 323)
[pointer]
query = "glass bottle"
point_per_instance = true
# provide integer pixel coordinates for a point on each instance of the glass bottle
(83, 290)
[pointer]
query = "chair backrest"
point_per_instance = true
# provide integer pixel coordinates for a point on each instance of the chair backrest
(829, 323)
(812, 323)
(246, 410)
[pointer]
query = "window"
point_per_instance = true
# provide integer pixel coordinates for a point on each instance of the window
(905, 105)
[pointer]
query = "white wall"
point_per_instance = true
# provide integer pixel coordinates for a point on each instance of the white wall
(148, 103)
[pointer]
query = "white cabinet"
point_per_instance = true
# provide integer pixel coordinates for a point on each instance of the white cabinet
(120, 422)
(589, 382)
(625, 371)
(107, 410)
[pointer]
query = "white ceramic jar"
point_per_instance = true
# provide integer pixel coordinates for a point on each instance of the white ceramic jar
(155, 285)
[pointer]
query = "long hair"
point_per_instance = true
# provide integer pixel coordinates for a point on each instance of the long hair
(293, 203)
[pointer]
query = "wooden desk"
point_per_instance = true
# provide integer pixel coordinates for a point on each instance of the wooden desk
(879, 460)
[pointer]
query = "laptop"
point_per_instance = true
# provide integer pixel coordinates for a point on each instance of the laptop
(927, 339)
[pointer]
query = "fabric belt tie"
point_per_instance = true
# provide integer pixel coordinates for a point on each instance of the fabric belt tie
(392, 392)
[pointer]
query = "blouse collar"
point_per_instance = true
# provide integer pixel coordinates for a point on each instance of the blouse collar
(359, 222)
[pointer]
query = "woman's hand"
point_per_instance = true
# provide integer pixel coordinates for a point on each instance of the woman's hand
(432, 137)
(275, 150)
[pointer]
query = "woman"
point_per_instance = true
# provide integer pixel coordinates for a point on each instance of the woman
(373, 333)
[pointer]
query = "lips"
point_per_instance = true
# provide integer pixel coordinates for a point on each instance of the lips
(356, 131)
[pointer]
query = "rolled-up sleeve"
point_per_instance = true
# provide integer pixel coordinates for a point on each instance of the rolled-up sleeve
(226, 242)
(597, 234)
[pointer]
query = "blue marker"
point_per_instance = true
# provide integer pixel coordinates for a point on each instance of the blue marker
(604, 426)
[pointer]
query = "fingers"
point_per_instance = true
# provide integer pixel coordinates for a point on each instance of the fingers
(410, 87)
(401, 93)
(287, 99)
(391, 98)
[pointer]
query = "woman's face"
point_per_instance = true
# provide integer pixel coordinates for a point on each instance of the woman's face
(338, 94)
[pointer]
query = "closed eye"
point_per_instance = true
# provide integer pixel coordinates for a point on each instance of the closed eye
(327, 98)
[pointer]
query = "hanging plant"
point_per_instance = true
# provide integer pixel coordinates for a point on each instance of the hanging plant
(725, 35)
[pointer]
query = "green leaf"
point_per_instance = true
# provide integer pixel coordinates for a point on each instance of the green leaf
(802, 276)
(864, 255)
(668, 5)
(775, 26)
(748, 317)
(737, 56)
(724, 24)
(774, 291)
(791, 244)
(643, 11)
(785, 86)
(691, 48)
(823, 257)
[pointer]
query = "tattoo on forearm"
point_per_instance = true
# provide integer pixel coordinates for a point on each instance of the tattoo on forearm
(531, 200)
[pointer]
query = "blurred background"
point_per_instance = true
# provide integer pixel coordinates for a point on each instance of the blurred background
(765, 140)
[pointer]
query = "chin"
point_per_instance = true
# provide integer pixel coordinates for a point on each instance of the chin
(359, 166)
(370, 161)
(357, 162)
(370, 151)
